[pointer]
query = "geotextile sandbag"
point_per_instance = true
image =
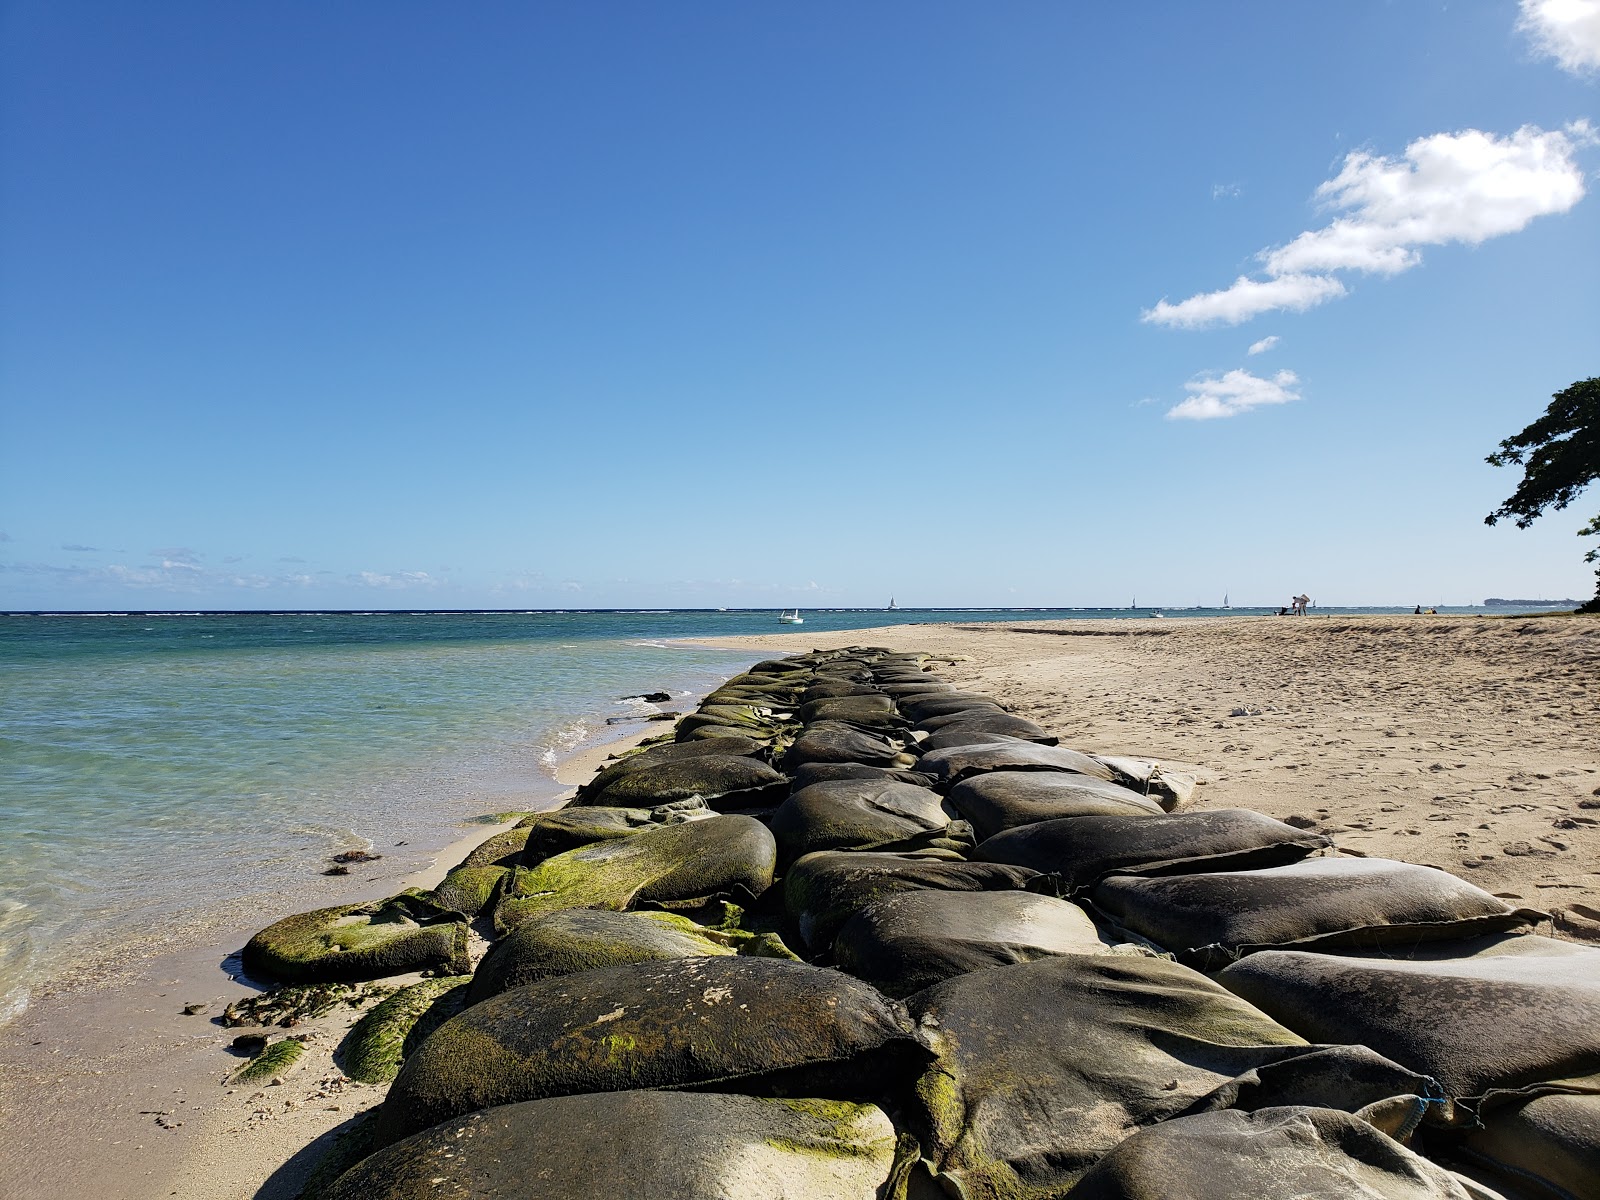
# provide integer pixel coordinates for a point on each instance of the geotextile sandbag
(667, 866)
(1548, 1147)
(1044, 1067)
(1516, 1016)
(569, 828)
(1298, 1153)
(837, 742)
(407, 932)
(936, 704)
(639, 1145)
(905, 942)
(1208, 920)
(867, 708)
(806, 775)
(582, 939)
(1076, 851)
(979, 730)
(860, 814)
(504, 849)
(995, 801)
(470, 890)
(822, 890)
(378, 1043)
(752, 1025)
(654, 756)
(721, 780)
(1159, 780)
(952, 765)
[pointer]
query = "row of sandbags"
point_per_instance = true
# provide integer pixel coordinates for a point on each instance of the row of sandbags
(964, 980)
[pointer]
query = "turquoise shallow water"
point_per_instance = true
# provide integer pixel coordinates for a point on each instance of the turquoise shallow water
(153, 767)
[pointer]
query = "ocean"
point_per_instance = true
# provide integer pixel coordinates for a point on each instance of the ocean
(165, 772)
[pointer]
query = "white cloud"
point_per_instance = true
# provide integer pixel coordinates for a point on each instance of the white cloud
(1565, 30)
(399, 579)
(1238, 391)
(1246, 298)
(1265, 344)
(1226, 191)
(1462, 187)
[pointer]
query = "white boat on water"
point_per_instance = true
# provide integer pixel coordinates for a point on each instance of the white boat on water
(893, 607)
(788, 618)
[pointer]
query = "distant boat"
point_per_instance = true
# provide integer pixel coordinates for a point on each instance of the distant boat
(794, 618)
(1225, 604)
(893, 607)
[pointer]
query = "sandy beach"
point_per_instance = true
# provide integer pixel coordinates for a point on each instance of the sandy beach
(1466, 744)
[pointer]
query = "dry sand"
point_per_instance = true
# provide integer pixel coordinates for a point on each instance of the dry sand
(1471, 744)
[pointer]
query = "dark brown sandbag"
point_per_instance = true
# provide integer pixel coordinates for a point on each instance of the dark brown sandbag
(901, 689)
(834, 741)
(866, 707)
(1272, 1154)
(1517, 1015)
(971, 710)
(668, 866)
(809, 773)
(981, 729)
(722, 780)
(1547, 1147)
(753, 1025)
(1077, 851)
(857, 814)
(670, 752)
(569, 828)
(1005, 754)
(823, 890)
(935, 704)
(903, 943)
(1044, 1067)
(1209, 920)
(830, 691)
(995, 801)
(638, 1145)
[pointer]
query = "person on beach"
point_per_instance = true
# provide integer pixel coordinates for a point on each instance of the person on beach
(1300, 604)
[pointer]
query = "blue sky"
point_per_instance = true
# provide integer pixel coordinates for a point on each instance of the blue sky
(594, 304)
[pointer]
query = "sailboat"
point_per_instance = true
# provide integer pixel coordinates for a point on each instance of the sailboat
(788, 618)
(1225, 605)
(893, 607)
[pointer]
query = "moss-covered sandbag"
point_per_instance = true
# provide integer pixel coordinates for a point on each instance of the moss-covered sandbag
(274, 1062)
(903, 943)
(377, 1044)
(1515, 1016)
(952, 765)
(654, 756)
(582, 939)
(979, 730)
(408, 932)
(1077, 851)
(755, 1025)
(722, 780)
(639, 1145)
(823, 890)
(995, 801)
(1296, 1153)
(501, 850)
(837, 742)
(858, 814)
(1045, 1066)
(683, 865)
(1208, 920)
(582, 825)
(469, 890)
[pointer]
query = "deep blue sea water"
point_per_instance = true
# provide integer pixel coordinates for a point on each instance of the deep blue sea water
(154, 767)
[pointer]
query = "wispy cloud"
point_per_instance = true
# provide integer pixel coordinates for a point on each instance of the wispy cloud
(397, 580)
(1265, 344)
(176, 554)
(1236, 392)
(1565, 30)
(77, 549)
(4, 536)
(1461, 187)
(1226, 191)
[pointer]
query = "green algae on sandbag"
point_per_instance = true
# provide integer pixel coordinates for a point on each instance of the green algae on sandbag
(721, 780)
(377, 1044)
(955, 763)
(979, 730)
(277, 1060)
(569, 828)
(729, 721)
(996, 801)
(1209, 920)
(1290, 1153)
(639, 1145)
(1045, 1066)
(754, 1025)
(654, 756)
(905, 942)
(469, 890)
(288, 1006)
(502, 850)
(825, 889)
(1509, 1017)
(407, 932)
(858, 814)
(1074, 852)
(667, 866)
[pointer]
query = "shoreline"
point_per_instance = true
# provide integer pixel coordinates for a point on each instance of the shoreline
(119, 1082)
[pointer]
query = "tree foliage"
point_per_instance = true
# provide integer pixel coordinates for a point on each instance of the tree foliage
(1560, 456)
